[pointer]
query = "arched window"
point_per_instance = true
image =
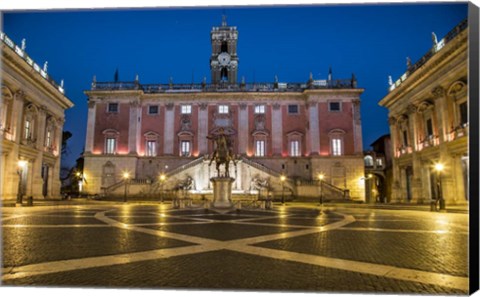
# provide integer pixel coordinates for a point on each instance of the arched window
(368, 161)
(111, 141)
(336, 137)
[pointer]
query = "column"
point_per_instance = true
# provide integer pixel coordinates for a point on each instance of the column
(277, 129)
(39, 130)
(202, 129)
(134, 127)
(92, 111)
(314, 129)
(242, 128)
(168, 134)
(18, 105)
(441, 112)
(396, 187)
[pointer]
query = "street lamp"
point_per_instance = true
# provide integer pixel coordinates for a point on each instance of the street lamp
(22, 164)
(126, 177)
(320, 178)
(439, 167)
(162, 180)
(282, 179)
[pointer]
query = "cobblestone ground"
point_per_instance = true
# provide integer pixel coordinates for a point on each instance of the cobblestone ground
(286, 249)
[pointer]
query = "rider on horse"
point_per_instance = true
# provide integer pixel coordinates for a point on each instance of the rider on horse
(223, 153)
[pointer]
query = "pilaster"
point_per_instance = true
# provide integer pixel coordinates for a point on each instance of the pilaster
(314, 130)
(202, 128)
(92, 111)
(243, 128)
(169, 132)
(277, 129)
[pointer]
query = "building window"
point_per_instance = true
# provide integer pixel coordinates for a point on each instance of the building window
(293, 109)
(223, 109)
(429, 128)
(260, 148)
(151, 148)
(463, 109)
(379, 162)
(336, 146)
(186, 109)
(110, 145)
(260, 109)
(48, 139)
(153, 109)
(28, 129)
(405, 138)
(368, 161)
(185, 148)
(112, 107)
(334, 106)
(294, 148)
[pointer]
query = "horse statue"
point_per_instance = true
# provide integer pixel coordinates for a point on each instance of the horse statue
(223, 153)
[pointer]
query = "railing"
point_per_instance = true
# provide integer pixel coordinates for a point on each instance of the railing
(260, 167)
(403, 150)
(459, 131)
(186, 166)
(450, 35)
(224, 87)
(23, 55)
(331, 192)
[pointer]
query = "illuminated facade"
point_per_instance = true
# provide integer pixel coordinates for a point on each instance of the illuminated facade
(428, 117)
(31, 124)
(292, 129)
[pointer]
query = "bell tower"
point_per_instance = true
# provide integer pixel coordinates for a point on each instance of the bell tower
(224, 59)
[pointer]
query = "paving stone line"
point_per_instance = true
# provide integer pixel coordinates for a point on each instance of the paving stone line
(401, 230)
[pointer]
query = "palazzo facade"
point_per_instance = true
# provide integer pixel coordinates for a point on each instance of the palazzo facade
(429, 124)
(298, 130)
(31, 124)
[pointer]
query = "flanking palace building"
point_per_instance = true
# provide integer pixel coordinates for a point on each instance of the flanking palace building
(295, 130)
(429, 124)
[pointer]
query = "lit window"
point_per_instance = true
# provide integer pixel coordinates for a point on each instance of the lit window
(294, 148)
(186, 109)
(336, 146)
(48, 139)
(223, 109)
(379, 162)
(293, 109)
(28, 129)
(368, 161)
(113, 107)
(260, 148)
(260, 109)
(185, 148)
(151, 148)
(110, 145)
(334, 106)
(153, 109)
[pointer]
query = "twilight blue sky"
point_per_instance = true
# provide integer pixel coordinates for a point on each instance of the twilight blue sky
(369, 40)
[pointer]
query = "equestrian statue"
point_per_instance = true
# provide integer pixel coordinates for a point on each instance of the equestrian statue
(223, 152)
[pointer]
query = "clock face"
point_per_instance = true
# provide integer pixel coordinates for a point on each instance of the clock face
(224, 59)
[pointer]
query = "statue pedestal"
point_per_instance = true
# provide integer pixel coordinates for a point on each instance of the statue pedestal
(222, 192)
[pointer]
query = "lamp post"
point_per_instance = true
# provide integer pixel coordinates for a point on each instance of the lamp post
(162, 181)
(80, 183)
(282, 179)
(439, 168)
(320, 179)
(20, 170)
(126, 177)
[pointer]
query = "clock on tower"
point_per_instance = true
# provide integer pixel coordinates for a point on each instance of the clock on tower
(224, 59)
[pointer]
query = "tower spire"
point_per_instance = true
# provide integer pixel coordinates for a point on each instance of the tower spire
(224, 19)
